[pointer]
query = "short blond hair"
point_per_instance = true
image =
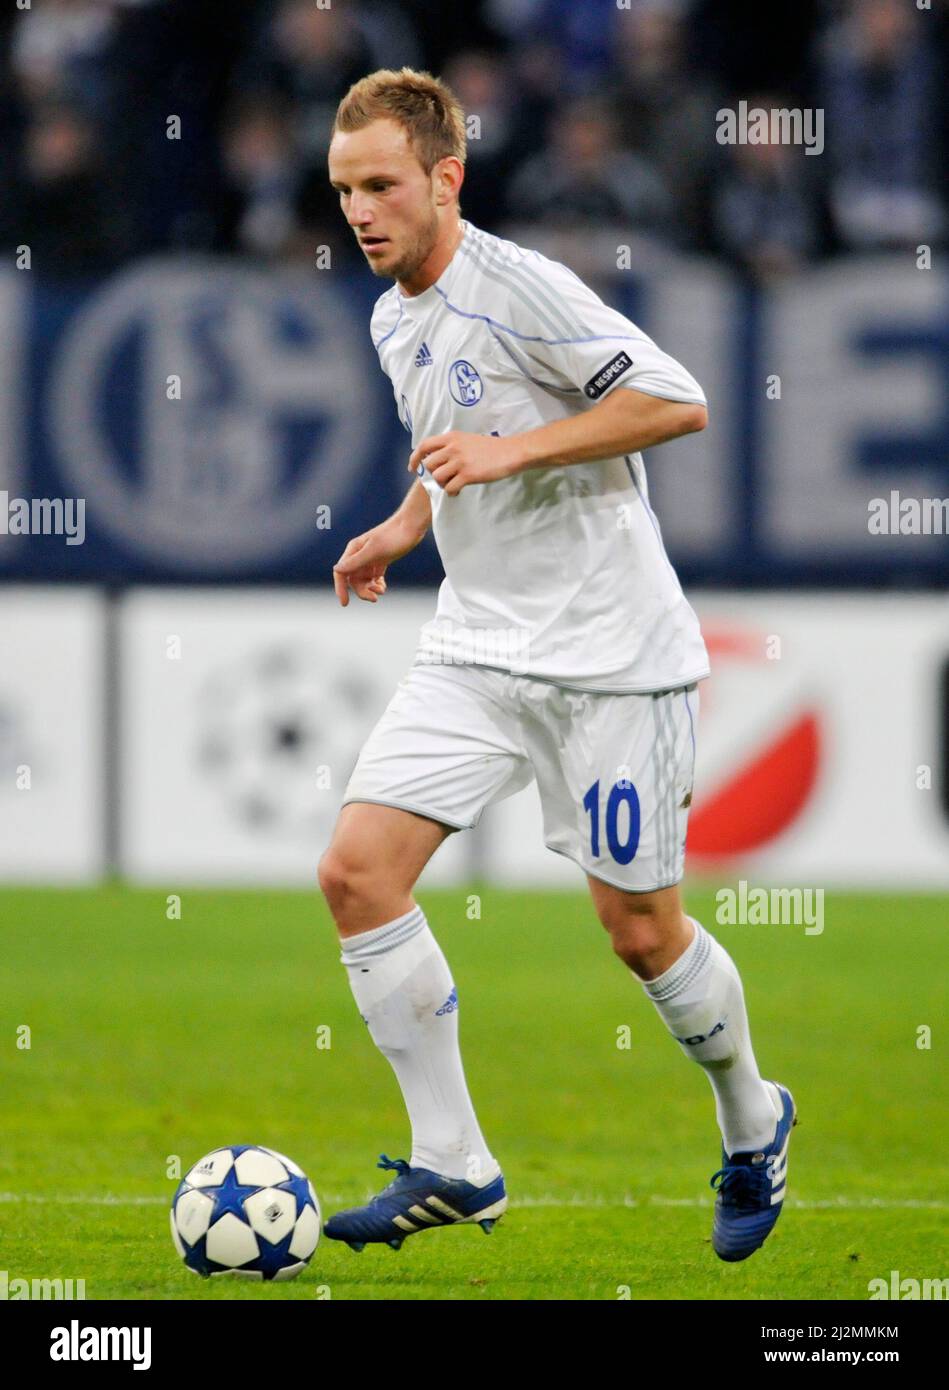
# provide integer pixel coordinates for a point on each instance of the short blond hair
(425, 107)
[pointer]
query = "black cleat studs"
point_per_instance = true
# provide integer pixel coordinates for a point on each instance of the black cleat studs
(356, 1245)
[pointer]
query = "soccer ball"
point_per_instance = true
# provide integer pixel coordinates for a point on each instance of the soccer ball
(248, 1211)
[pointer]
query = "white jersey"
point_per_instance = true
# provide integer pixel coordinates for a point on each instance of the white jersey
(559, 572)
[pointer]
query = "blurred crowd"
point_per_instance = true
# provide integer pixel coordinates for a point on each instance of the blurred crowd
(582, 112)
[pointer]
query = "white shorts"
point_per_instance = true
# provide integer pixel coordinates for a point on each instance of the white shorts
(614, 772)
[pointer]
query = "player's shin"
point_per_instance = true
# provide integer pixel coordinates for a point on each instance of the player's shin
(404, 991)
(701, 1001)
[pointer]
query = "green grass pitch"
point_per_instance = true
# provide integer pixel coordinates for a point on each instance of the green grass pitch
(153, 1037)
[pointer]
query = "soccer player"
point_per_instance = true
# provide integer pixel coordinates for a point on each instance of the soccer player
(562, 649)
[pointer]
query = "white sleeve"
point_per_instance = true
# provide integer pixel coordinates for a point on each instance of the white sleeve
(562, 333)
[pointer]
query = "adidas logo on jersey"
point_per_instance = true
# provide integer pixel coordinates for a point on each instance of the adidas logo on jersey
(423, 358)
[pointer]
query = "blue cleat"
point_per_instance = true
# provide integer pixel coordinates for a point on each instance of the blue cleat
(751, 1188)
(416, 1200)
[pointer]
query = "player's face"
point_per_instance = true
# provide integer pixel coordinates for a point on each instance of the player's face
(386, 196)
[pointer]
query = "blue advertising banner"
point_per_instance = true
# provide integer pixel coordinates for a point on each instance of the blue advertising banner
(193, 419)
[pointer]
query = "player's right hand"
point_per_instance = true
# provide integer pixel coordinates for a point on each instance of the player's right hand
(362, 566)
(363, 563)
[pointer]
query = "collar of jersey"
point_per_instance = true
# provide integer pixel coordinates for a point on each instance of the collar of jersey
(416, 304)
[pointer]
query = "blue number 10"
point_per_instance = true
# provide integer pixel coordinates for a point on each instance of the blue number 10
(619, 792)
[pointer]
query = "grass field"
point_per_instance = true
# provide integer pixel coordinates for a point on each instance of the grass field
(152, 1038)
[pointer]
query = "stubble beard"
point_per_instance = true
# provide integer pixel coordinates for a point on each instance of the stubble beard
(417, 253)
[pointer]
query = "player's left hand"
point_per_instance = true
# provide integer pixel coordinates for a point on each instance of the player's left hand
(456, 459)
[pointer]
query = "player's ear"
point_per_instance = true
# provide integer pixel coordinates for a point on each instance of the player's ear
(449, 175)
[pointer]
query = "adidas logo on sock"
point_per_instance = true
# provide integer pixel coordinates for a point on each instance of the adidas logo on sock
(423, 358)
(450, 1004)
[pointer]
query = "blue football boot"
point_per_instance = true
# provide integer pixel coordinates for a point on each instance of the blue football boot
(416, 1200)
(751, 1188)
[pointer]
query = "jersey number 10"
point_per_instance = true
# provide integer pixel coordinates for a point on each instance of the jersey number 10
(620, 792)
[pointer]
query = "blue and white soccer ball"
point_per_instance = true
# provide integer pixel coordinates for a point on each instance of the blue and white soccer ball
(248, 1211)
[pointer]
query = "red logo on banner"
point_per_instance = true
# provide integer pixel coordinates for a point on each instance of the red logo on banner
(765, 748)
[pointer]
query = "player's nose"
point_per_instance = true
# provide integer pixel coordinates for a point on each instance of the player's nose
(359, 216)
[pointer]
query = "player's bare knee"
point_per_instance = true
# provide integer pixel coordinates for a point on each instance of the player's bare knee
(338, 878)
(647, 930)
(638, 940)
(623, 912)
(360, 893)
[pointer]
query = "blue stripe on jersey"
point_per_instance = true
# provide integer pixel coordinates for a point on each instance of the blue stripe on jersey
(653, 519)
(524, 282)
(526, 338)
(691, 729)
(649, 511)
(394, 326)
(544, 385)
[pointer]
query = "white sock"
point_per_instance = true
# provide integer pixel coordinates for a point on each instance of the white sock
(701, 1002)
(404, 992)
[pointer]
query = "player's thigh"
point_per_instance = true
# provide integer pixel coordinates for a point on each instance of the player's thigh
(447, 745)
(615, 777)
